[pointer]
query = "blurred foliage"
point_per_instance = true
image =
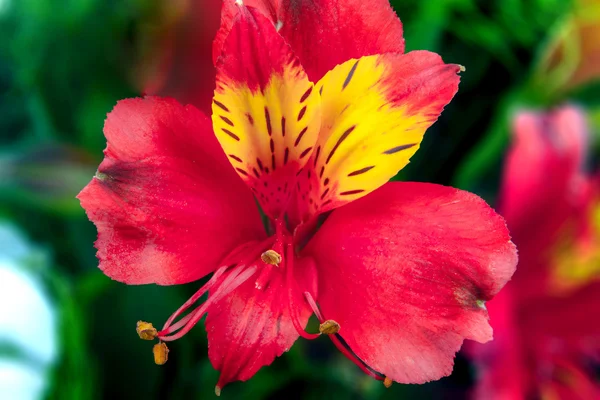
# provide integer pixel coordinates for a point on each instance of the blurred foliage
(64, 65)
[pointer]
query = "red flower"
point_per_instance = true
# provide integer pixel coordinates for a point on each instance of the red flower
(402, 272)
(543, 329)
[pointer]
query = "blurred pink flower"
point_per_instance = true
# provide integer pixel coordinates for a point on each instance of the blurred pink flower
(544, 333)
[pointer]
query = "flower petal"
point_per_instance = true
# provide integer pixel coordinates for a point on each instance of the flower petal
(250, 326)
(543, 192)
(375, 111)
(176, 49)
(502, 365)
(229, 12)
(405, 272)
(325, 33)
(545, 159)
(265, 112)
(166, 204)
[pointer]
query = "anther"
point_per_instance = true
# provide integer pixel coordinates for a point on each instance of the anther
(387, 382)
(161, 353)
(217, 391)
(146, 331)
(329, 327)
(271, 257)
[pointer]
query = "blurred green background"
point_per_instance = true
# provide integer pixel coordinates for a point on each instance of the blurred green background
(64, 65)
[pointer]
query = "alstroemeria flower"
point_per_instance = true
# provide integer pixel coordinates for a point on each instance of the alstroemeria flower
(543, 331)
(401, 271)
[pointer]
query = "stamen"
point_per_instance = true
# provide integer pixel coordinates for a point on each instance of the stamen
(329, 327)
(291, 286)
(232, 282)
(145, 330)
(387, 382)
(161, 353)
(271, 257)
(207, 286)
(252, 249)
(314, 306)
(336, 341)
(359, 363)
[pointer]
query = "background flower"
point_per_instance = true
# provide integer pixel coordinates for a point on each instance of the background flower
(61, 70)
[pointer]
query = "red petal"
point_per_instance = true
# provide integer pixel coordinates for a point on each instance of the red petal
(565, 318)
(503, 369)
(405, 270)
(547, 154)
(325, 33)
(250, 327)
(229, 12)
(165, 201)
(542, 189)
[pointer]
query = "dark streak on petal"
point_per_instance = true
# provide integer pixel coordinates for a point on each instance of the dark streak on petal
(233, 135)
(301, 113)
(283, 126)
(272, 146)
(350, 75)
(226, 120)
(306, 94)
(324, 194)
(286, 155)
(326, 182)
(268, 120)
(305, 152)
(399, 148)
(322, 170)
(221, 105)
(349, 192)
(259, 163)
(256, 172)
(340, 140)
(361, 171)
(317, 155)
(241, 171)
(250, 119)
(299, 138)
(325, 203)
(321, 91)
(236, 158)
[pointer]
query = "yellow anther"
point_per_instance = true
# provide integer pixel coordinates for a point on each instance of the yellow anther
(329, 327)
(161, 353)
(387, 382)
(271, 257)
(217, 391)
(145, 330)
